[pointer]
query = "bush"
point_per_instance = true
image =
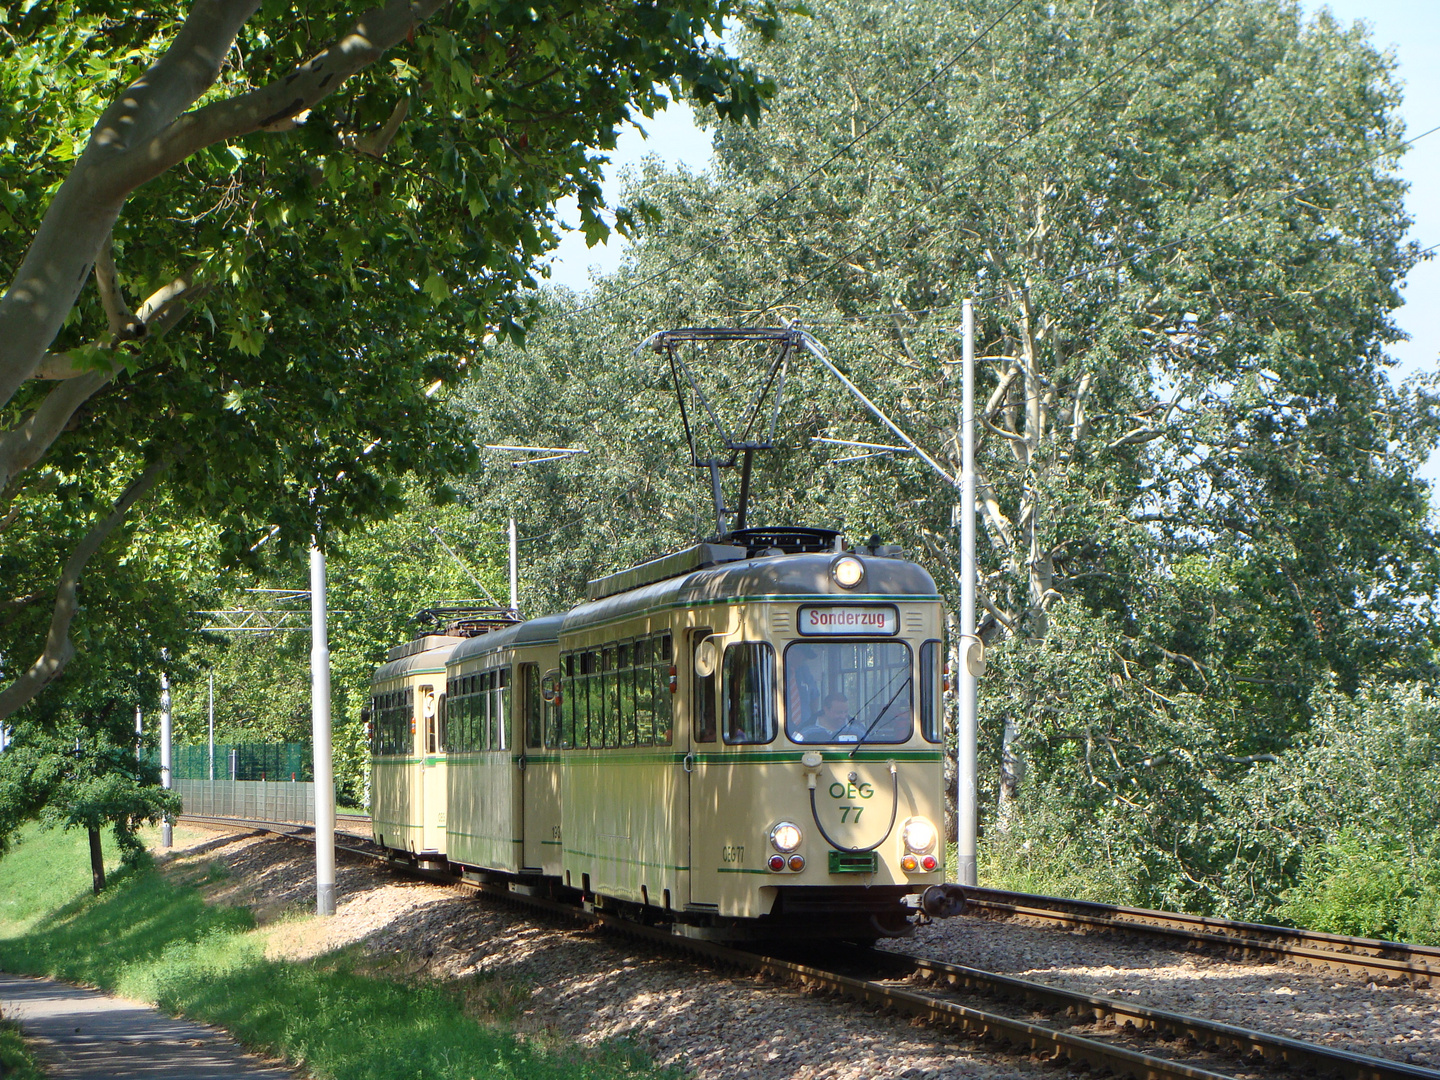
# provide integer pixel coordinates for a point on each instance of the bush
(1367, 886)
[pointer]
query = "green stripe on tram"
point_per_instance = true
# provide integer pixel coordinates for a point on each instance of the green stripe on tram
(622, 859)
(738, 870)
(835, 754)
(608, 756)
(477, 836)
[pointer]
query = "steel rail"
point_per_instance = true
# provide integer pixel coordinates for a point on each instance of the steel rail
(1054, 1044)
(1274, 1049)
(1416, 964)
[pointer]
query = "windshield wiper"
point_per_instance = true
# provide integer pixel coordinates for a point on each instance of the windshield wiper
(880, 714)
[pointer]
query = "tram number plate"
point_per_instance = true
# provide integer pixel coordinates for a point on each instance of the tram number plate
(853, 862)
(848, 619)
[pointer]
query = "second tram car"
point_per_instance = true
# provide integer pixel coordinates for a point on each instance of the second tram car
(742, 739)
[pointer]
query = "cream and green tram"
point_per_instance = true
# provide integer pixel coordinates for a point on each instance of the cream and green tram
(407, 760)
(503, 794)
(751, 744)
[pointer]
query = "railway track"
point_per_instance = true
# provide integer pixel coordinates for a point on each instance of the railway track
(1377, 960)
(1046, 1022)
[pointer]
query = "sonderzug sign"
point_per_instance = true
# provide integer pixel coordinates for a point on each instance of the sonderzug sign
(848, 619)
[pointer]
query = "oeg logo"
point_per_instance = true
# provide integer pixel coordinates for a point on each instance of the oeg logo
(852, 790)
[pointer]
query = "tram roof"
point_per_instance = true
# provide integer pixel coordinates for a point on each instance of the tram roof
(422, 659)
(768, 577)
(530, 632)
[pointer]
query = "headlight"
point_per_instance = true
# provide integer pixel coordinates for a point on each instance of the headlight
(785, 837)
(847, 571)
(919, 835)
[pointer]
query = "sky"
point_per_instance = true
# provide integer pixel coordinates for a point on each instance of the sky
(1410, 27)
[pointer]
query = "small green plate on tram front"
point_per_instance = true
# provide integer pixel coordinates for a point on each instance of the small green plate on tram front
(853, 862)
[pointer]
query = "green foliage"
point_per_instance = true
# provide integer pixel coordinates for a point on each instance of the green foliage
(151, 938)
(16, 1061)
(1365, 885)
(1185, 231)
(82, 773)
(341, 267)
(380, 577)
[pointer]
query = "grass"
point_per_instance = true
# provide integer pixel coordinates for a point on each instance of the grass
(15, 1060)
(44, 870)
(151, 936)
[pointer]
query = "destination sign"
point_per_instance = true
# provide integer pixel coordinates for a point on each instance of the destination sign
(848, 619)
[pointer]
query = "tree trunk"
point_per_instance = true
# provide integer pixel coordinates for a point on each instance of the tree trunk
(97, 862)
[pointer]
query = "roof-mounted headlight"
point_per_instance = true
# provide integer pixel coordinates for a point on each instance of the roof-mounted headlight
(847, 571)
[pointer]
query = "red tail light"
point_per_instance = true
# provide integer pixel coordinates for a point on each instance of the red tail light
(777, 863)
(929, 862)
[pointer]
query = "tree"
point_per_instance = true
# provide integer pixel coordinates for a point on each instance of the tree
(73, 761)
(1200, 497)
(380, 577)
(342, 205)
(79, 764)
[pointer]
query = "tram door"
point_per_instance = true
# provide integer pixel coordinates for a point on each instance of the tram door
(708, 775)
(541, 803)
(432, 771)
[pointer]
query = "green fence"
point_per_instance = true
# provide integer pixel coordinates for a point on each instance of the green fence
(274, 762)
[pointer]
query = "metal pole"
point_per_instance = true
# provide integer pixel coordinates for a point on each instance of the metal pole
(966, 799)
(139, 734)
(167, 832)
(320, 736)
(514, 570)
(212, 725)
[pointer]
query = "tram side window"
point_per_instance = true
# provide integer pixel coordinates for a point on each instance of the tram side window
(456, 720)
(487, 710)
(566, 734)
(587, 705)
(467, 712)
(485, 702)
(501, 729)
(643, 678)
(530, 704)
(749, 685)
(931, 724)
(442, 719)
(609, 700)
(379, 735)
(430, 712)
(664, 701)
(704, 696)
(625, 695)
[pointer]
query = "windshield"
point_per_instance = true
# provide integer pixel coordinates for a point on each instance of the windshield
(838, 691)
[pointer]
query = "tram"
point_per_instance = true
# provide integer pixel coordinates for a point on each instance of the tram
(742, 739)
